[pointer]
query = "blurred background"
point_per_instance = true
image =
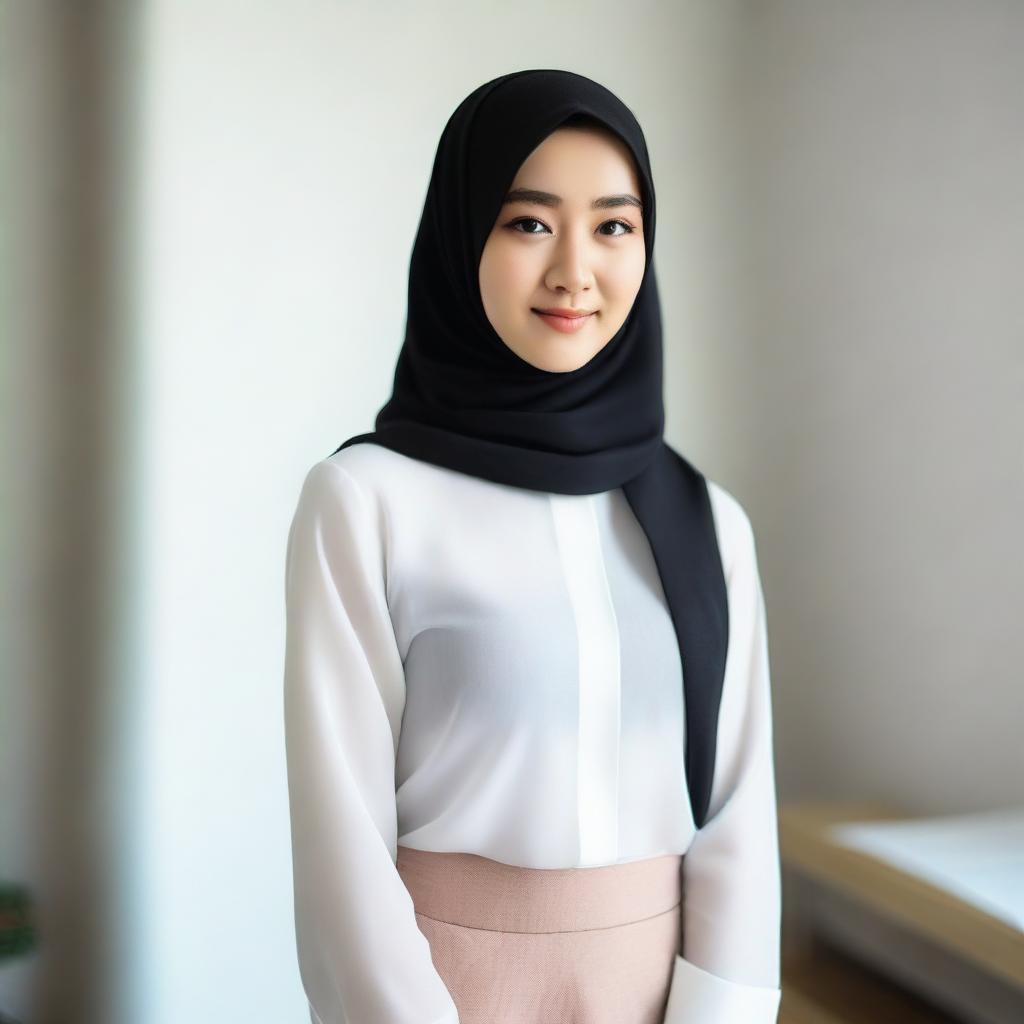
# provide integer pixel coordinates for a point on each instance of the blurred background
(206, 213)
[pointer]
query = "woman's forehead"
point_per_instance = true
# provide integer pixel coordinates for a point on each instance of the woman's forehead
(571, 158)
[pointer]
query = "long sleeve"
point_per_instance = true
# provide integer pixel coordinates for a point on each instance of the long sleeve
(729, 970)
(362, 957)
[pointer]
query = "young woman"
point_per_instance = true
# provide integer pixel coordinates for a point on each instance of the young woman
(527, 706)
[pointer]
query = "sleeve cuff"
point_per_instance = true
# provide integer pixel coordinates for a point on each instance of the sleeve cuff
(698, 997)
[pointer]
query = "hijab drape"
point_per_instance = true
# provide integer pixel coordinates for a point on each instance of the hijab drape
(464, 400)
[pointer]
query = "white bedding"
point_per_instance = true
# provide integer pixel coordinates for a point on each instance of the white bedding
(977, 857)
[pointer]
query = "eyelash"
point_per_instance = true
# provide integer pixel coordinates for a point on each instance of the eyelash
(526, 220)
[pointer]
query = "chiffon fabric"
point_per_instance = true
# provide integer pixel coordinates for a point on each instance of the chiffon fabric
(481, 669)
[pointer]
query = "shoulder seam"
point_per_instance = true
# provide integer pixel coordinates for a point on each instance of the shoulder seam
(738, 528)
(384, 522)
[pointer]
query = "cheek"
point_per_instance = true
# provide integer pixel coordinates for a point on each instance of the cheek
(630, 275)
(506, 276)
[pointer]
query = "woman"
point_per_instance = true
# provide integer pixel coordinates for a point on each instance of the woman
(527, 699)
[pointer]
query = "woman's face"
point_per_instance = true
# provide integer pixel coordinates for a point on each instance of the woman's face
(550, 248)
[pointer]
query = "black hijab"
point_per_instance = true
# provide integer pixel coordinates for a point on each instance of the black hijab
(464, 400)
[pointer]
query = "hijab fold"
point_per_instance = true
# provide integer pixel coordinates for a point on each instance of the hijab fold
(462, 399)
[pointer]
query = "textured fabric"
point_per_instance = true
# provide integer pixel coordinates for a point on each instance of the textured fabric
(464, 400)
(528, 946)
(477, 668)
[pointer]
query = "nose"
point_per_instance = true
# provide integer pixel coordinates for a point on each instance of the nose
(570, 267)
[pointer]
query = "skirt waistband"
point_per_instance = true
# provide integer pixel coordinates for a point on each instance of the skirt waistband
(477, 892)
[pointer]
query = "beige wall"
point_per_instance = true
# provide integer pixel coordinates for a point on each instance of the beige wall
(884, 381)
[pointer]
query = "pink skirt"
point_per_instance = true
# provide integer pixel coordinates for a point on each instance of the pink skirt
(561, 946)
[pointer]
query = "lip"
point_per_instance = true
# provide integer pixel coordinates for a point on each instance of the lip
(566, 321)
(572, 314)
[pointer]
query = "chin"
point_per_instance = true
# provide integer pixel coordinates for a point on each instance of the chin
(565, 366)
(546, 357)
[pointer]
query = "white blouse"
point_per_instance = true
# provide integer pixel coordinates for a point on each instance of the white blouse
(480, 668)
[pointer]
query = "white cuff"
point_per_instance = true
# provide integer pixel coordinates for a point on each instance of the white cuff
(698, 997)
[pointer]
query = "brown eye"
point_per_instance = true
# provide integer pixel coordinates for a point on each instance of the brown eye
(517, 225)
(627, 229)
(526, 220)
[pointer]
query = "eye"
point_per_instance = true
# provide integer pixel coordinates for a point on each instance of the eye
(627, 229)
(525, 220)
(515, 225)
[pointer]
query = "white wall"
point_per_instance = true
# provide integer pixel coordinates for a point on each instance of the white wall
(839, 252)
(286, 154)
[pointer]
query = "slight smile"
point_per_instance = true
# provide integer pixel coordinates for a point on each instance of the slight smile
(568, 321)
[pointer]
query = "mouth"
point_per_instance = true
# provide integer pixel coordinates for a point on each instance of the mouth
(568, 321)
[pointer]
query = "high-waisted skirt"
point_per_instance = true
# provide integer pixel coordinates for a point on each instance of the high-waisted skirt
(513, 945)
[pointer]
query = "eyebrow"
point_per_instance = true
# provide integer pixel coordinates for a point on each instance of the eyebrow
(530, 195)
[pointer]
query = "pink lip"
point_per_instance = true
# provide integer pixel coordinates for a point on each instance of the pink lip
(567, 321)
(556, 311)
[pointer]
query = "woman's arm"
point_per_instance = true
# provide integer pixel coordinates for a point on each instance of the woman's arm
(729, 971)
(362, 957)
